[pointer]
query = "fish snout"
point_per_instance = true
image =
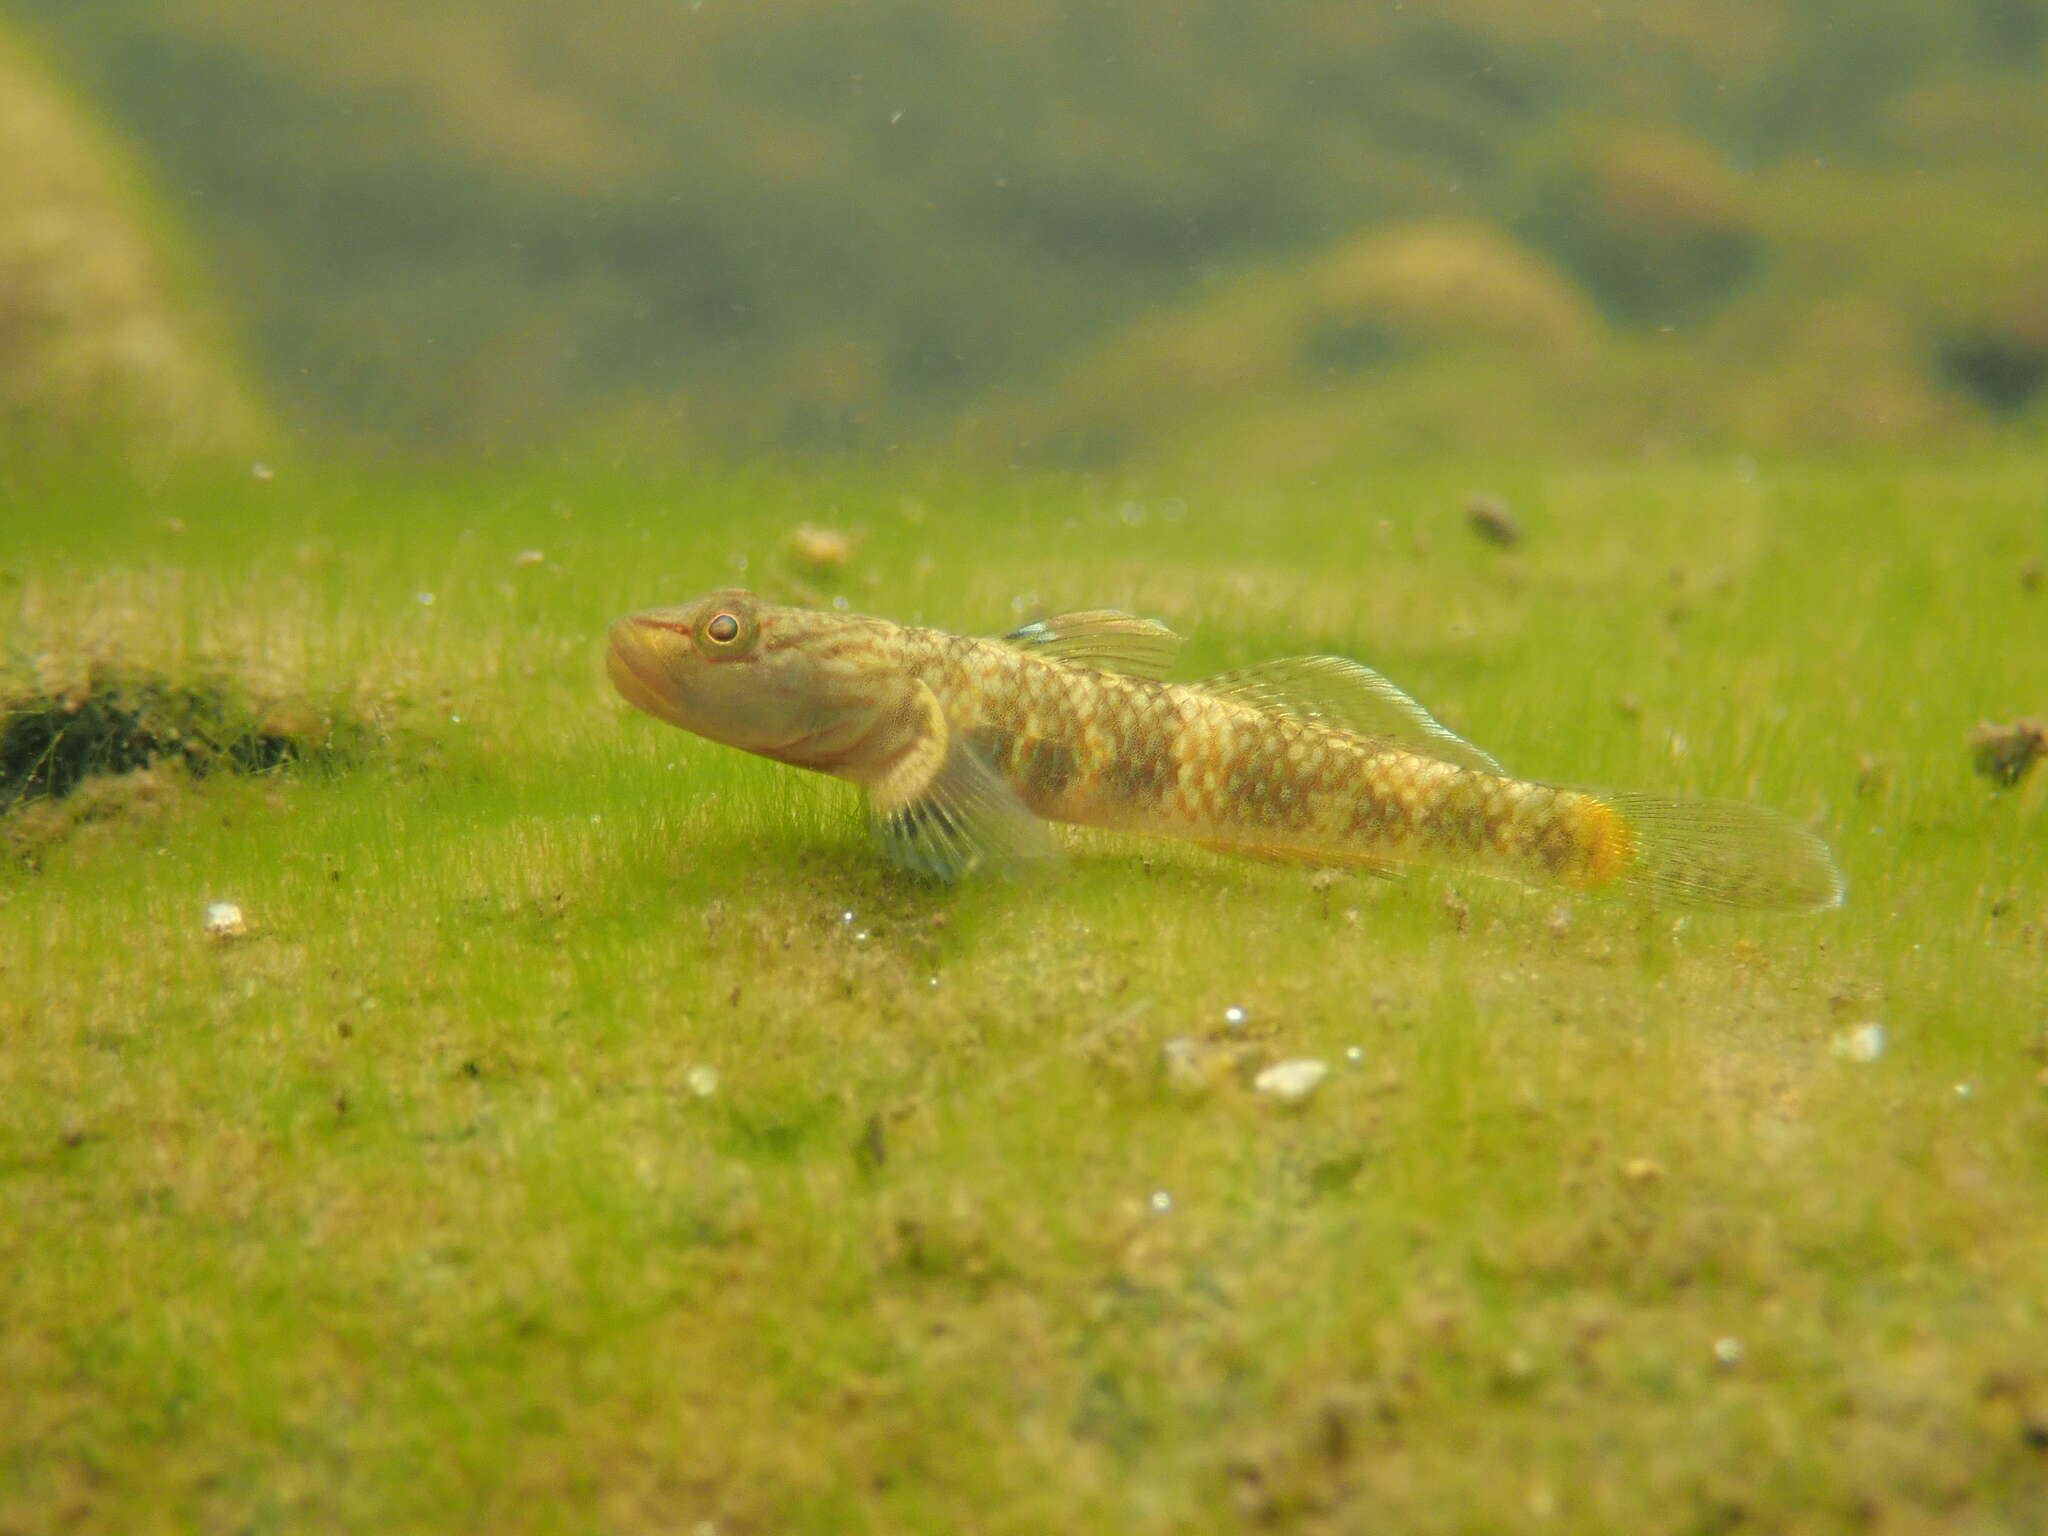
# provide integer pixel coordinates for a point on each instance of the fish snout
(638, 659)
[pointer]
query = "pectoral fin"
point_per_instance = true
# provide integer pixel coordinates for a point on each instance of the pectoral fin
(943, 811)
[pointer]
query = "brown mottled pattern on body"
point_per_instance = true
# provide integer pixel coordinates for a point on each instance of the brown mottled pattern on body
(1127, 754)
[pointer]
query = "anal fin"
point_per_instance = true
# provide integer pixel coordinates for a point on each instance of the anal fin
(1263, 853)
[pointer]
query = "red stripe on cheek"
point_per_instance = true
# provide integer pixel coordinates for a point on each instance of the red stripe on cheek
(674, 627)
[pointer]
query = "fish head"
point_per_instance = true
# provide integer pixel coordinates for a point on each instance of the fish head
(788, 683)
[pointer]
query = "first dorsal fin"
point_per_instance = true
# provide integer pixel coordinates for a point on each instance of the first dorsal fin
(1334, 691)
(1101, 638)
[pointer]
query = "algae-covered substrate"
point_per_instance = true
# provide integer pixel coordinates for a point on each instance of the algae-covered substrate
(580, 1128)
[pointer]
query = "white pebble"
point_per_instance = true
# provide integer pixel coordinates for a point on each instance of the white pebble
(1161, 1202)
(703, 1081)
(1291, 1081)
(1860, 1042)
(1233, 1017)
(224, 920)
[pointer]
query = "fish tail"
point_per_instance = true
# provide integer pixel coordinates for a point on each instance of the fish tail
(1704, 852)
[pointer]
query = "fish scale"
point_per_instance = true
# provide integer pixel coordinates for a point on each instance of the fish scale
(967, 746)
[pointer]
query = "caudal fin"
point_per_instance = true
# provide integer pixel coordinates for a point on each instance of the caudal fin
(1722, 853)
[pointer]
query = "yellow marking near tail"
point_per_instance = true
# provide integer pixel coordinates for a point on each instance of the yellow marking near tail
(1609, 847)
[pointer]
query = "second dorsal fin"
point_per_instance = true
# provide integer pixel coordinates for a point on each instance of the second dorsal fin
(1334, 691)
(1101, 638)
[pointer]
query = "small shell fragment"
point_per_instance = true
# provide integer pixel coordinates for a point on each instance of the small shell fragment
(825, 549)
(1860, 1042)
(1196, 1066)
(1182, 1059)
(1291, 1081)
(224, 920)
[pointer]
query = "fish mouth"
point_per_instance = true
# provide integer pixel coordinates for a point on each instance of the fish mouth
(634, 662)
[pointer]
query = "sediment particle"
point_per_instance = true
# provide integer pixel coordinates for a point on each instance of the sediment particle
(2004, 753)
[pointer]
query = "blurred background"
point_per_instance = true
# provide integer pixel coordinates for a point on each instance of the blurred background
(1281, 236)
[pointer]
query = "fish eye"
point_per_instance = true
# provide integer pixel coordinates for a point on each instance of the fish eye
(723, 629)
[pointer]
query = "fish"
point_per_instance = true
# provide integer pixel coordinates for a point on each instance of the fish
(967, 748)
